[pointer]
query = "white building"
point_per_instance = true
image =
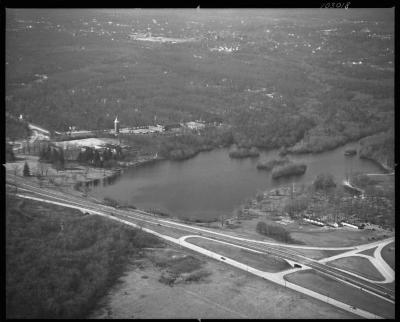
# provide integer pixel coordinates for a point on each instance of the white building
(349, 225)
(195, 125)
(315, 222)
(38, 133)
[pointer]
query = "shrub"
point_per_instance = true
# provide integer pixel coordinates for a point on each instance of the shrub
(296, 206)
(9, 153)
(198, 276)
(26, 172)
(324, 181)
(270, 164)
(110, 202)
(276, 232)
(289, 170)
(244, 153)
(362, 180)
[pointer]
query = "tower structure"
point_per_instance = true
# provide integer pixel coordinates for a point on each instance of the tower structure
(116, 126)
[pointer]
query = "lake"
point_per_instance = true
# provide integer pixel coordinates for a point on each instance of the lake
(212, 184)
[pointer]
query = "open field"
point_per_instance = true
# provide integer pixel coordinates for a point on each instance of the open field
(318, 254)
(260, 261)
(342, 292)
(66, 178)
(337, 237)
(248, 227)
(312, 235)
(390, 286)
(176, 233)
(358, 265)
(369, 252)
(92, 142)
(226, 293)
(388, 254)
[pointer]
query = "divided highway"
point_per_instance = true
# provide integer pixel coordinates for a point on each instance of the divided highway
(140, 217)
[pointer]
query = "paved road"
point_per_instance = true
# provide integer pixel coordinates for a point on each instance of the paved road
(280, 250)
(350, 278)
(139, 217)
(376, 260)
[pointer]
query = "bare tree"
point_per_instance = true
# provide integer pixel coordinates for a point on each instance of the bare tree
(28, 147)
(222, 219)
(85, 189)
(16, 168)
(42, 168)
(86, 172)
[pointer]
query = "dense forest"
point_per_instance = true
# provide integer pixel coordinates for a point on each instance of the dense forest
(15, 129)
(178, 147)
(379, 148)
(59, 263)
(289, 85)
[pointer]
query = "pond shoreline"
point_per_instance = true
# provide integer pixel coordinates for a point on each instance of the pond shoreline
(139, 163)
(179, 189)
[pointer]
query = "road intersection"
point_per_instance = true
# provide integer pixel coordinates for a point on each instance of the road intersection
(138, 218)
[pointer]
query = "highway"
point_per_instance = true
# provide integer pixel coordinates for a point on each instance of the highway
(380, 290)
(141, 218)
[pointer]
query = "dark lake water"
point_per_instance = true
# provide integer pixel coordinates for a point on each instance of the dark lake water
(212, 184)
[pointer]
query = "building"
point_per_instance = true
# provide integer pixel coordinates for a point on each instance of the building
(38, 133)
(156, 129)
(142, 129)
(195, 125)
(349, 225)
(314, 222)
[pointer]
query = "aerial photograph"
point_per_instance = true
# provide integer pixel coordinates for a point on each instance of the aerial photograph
(199, 163)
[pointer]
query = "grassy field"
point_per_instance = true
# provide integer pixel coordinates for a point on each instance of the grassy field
(226, 293)
(358, 265)
(342, 292)
(391, 286)
(259, 261)
(179, 268)
(318, 254)
(388, 254)
(369, 252)
(335, 237)
(59, 262)
(176, 233)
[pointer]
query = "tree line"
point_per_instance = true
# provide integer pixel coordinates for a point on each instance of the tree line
(275, 232)
(105, 158)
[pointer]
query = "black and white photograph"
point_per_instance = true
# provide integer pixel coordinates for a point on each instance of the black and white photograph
(199, 163)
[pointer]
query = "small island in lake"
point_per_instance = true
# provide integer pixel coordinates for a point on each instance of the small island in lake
(290, 169)
(270, 164)
(350, 152)
(244, 153)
